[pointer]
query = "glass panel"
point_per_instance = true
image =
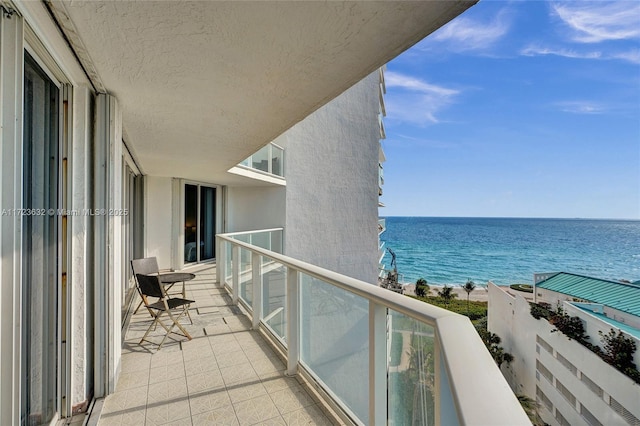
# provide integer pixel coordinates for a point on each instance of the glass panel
(207, 222)
(411, 371)
(39, 257)
(128, 240)
(190, 223)
(276, 241)
(228, 261)
(261, 239)
(260, 160)
(246, 285)
(277, 160)
(334, 338)
(273, 297)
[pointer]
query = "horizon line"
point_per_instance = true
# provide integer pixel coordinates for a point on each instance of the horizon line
(518, 217)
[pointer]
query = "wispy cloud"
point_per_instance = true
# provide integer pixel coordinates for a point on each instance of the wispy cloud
(416, 101)
(600, 21)
(581, 107)
(567, 53)
(394, 79)
(469, 34)
(632, 56)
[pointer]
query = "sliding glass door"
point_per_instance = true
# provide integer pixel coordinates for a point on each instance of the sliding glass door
(40, 313)
(199, 223)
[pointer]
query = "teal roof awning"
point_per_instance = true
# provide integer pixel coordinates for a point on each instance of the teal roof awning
(624, 297)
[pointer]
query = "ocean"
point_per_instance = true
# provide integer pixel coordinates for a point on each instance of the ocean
(510, 250)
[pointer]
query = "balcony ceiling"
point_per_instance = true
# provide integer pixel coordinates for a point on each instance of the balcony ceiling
(202, 85)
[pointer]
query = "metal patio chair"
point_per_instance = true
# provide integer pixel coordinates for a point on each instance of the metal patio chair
(149, 266)
(146, 266)
(174, 307)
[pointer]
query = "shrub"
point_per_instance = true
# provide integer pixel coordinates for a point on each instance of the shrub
(618, 349)
(538, 311)
(572, 327)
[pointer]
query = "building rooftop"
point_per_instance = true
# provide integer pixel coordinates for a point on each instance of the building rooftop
(624, 297)
(616, 324)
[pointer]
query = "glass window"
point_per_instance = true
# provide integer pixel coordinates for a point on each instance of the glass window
(40, 246)
(199, 223)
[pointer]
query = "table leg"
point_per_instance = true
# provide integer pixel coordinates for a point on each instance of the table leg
(184, 296)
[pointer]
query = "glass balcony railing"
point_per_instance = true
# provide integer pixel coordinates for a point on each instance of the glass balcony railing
(381, 357)
(270, 239)
(269, 159)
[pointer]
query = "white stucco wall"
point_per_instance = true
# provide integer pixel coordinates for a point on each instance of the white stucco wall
(158, 219)
(251, 208)
(331, 166)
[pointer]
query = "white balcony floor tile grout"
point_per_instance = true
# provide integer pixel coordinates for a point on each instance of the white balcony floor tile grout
(226, 375)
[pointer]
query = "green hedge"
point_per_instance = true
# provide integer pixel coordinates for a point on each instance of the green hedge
(522, 287)
(477, 309)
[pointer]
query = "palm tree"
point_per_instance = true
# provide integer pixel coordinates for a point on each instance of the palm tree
(530, 407)
(446, 294)
(469, 287)
(422, 288)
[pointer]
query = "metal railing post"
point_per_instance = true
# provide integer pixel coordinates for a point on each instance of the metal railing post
(377, 364)
(235, 286)
(293, 318)
(256, 278)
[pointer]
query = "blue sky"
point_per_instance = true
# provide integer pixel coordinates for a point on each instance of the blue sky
(518, 109)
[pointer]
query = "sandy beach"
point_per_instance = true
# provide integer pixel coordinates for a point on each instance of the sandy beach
(481, 293)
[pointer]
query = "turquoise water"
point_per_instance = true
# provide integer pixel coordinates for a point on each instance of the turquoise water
(508, 251)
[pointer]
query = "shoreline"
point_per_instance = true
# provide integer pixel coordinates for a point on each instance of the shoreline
(479, 294)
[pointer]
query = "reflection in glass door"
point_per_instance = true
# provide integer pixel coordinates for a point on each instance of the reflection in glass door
(40, 347)
(199, 223)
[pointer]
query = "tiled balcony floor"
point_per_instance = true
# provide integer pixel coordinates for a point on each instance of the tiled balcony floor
(227, 375)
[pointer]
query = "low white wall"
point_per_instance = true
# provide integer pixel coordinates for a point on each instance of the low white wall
(158, 219)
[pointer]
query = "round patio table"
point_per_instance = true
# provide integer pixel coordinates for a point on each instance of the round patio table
(176, 277)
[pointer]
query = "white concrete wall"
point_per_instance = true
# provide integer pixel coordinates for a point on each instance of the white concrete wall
(251, 208)
(518, 329)
(553, 298)
(331, 167)
(594, 325)
(505, 317)
(158, 219)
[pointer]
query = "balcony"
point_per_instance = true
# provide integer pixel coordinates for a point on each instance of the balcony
(228, 374)
(269, 159)
(277, 340)
(357, 343)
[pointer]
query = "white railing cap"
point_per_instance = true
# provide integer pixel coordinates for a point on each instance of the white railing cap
(480, 392)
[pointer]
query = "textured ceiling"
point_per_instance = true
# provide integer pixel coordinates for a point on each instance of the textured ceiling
(202, 85)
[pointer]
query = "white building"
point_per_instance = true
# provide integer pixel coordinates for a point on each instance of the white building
(123, 128)
(573, 385)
